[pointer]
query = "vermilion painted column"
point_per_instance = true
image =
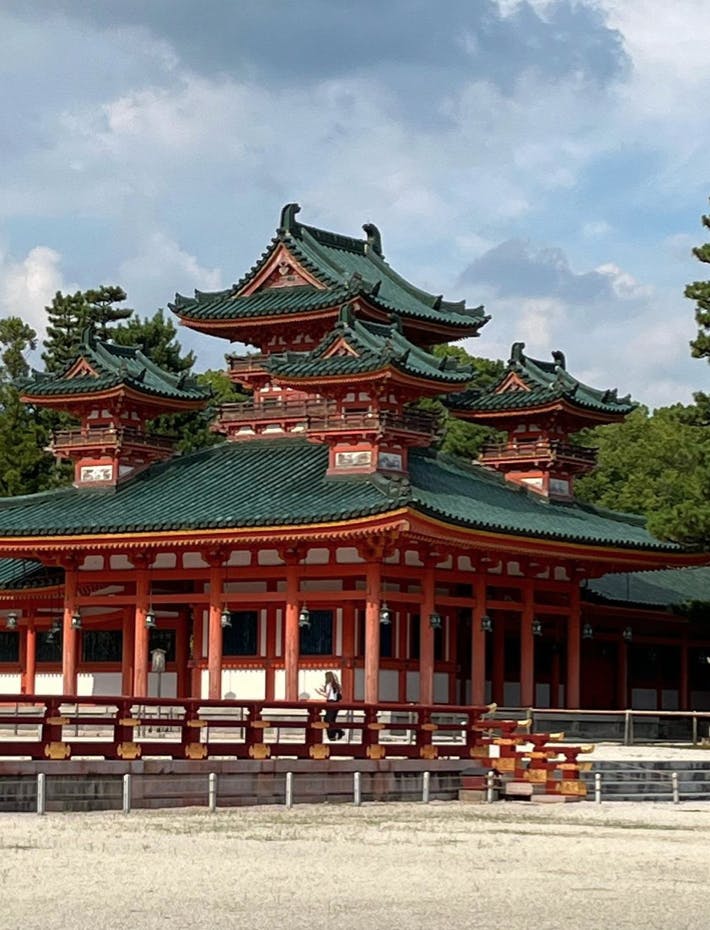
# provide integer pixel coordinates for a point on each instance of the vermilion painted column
(30, 659)
(291, 637)
(196, 653)
(269, 675)
(527, 648)
(69, 635)
(372, 632)
(141, 633)
(573, 648)
(426, 639)
(478, 642)
(683, 688)
(127, 647)
(214, 634)
(348, 670)
(622, 686)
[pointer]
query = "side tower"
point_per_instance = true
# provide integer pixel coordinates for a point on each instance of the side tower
(113, 391)
(344, 347)
(538, 405)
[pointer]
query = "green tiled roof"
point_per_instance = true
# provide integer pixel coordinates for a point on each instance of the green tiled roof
(669, 588)
(283, 482)
(26, 573)
(346, 267)
(547, 382)
(377, 346)
(115, 365)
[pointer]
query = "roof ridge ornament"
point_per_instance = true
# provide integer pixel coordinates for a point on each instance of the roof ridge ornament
(288, 223)
(374, 239)
(516, 353)
(559, 359)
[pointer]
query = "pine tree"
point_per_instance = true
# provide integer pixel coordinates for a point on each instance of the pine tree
(699, 291)
(70, 315)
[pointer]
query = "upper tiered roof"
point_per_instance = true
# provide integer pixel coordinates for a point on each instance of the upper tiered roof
(358, 348)
(325, 270)
(531, 384)
(102, 368)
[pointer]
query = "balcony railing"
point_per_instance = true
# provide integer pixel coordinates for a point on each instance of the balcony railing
(549, 449)
(281, 410)
(125, 435)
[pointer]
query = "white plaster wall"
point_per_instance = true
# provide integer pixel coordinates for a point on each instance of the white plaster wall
(542, 695)
(412, 690)
(48, 684)
(441, 688)
(511, 694)
(101, 684)
(643, 698)
(10, 684)
(168, 684)
(243, 684)
(389, 685)
(670, 700)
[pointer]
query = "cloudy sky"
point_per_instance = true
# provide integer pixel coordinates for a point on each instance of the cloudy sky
(547, 159)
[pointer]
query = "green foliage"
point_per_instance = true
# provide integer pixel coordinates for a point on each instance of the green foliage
(657, 465)
(156, 337)
(71, 314)
(193, 429)
(699, 291)
(24, 466)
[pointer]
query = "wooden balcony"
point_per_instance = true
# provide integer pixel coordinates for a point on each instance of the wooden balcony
(541, 451)
(107, 438)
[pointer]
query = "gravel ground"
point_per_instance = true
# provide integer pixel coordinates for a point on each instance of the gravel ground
(508, 866)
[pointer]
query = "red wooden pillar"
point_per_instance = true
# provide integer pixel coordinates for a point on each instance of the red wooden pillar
(214, 631)
(127, 647)
(348, 674)
(478, 642)
(527, 648)
(70, 636)
(181, 654)
(426, 637)
(291, 637)
(573, 648)
(498, 671)
(29, 663)
(622, 671)
(196, 652)
(683, 688)
(141, 632)
(373, 576)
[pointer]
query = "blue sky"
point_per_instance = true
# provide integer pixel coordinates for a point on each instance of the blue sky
(547, 159)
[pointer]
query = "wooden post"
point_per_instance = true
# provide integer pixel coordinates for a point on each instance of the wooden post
(214, 634)
(372, 632)
(29, 666)
(348, 670)
(127, 647)
(197, 656)
(527, 648)
(69, 634)
(478, 642)
(426, 636)
(141, 632)
(291, 633)
(573, 648)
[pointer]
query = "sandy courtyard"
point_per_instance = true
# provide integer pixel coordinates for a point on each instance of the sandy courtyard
(506, 866)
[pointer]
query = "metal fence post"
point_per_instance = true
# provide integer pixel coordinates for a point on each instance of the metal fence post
(127, 793)
(41, 794)
(628, 728)
(212, 792)
(357, 794)
(426, 778)
(674, 787)
(695, 729)
(490, 781)
(289, 789)
(597, 788)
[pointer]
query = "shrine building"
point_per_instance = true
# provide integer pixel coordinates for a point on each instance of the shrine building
(326, 531)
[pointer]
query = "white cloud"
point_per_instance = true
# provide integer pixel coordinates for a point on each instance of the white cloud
(28, 285)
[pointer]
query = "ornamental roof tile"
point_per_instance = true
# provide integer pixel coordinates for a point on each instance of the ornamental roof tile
(669, 588)
(283, 482)
(346, 267)
(377, 346)
(112, 366)
(546, 383)
(26, 573)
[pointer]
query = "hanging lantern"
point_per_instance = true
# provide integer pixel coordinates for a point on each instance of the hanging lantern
(304, 618)
(435, 621)
(150, 619)
(587, 631)
(385, 618)
(76, 620)
(11, 621)
(486, 624)
(628, 634)
(536, 627)
(226, 618)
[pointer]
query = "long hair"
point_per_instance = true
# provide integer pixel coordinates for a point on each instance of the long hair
(332, 679)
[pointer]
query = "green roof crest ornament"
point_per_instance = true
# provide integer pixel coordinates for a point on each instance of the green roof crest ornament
(374, 239)
(288, 221)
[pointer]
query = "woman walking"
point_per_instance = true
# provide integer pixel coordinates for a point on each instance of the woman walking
(332, 693)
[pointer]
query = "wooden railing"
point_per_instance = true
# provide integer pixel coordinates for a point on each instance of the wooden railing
(106, 436)
(323, 416)
(541, 448)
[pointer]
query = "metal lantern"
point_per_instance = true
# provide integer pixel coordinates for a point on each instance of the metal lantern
(628, 634)
(486, 624)
(385, 617)
(536, 627)
(53, 630)
(587, 631)
(435, 621)
(11, 622)
(76, 621)
(226, 618)
(150, 619)
(304, 618)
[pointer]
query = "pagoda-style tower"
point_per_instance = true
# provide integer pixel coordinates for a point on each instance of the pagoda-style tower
(113, 391)
(343, 347)
(538, 405)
